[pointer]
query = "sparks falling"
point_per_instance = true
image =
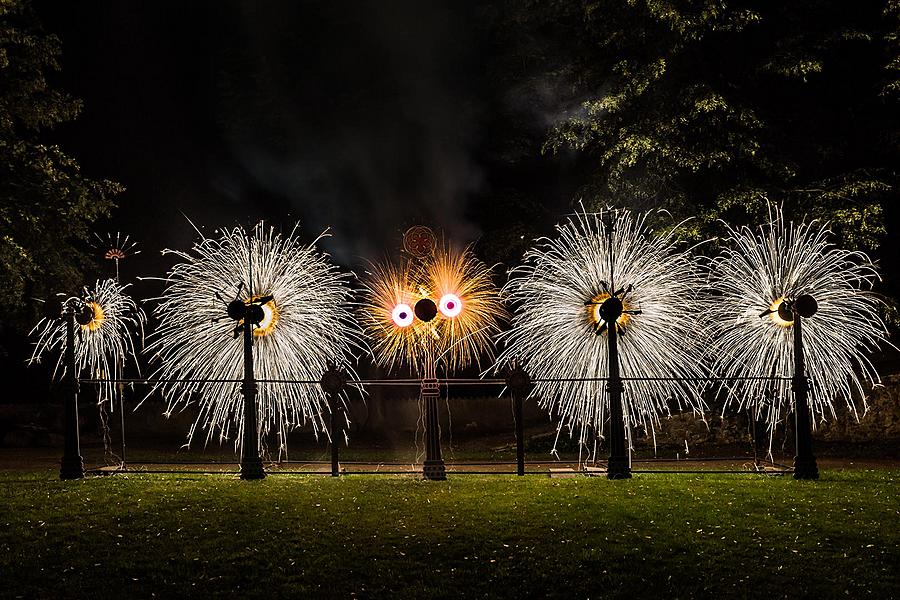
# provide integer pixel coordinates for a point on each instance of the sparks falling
(115, 248)
(753, 276)
(465, 311)
(558, 334)
(306, 326)
(108, 323)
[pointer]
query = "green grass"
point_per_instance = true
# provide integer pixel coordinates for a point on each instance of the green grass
(474, 536)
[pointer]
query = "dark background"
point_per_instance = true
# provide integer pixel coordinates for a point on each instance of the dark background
(362, 117)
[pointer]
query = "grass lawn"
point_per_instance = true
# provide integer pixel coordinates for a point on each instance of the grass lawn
(753, 536)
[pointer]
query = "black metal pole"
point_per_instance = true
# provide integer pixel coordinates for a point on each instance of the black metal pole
(519, 384)
(335, 444)
(518, 401)
(121, 386)
(251, 463)
(617, 467)
(805, 466)
(333, 382)
(434, 467)
(72, 465)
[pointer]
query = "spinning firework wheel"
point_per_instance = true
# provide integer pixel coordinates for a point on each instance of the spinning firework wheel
(769, 280)
(438, 306)
(570, 315)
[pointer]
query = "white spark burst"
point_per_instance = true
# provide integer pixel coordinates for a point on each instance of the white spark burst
(307, 326)
(554, 333)
(111, 321)
(757, 270)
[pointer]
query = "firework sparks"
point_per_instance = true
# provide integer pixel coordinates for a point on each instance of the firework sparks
(443, 305)
(306, 326)
(558, 332)
(115, 248)
(750, 281)
(108, 320)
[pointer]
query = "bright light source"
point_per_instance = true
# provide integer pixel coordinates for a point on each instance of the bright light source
(402, 315)
(450, 305)
(781, 314)
(269, 319)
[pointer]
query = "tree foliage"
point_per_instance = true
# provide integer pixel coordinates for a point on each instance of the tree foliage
(716, 108)
(46, 204)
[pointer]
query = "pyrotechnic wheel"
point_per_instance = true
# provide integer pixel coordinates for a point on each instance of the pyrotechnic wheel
(565, 297)
(298, 304)
(765, 274)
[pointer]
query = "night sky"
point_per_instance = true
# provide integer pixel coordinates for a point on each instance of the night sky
(362, 117)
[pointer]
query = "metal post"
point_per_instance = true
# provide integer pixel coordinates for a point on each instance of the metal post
(519, 384)
(333, 382)
(335, 444)
(805, 466)
(72, 465)
(251, 463)
(124, 466)
(618, 466)
(434, 468)
(520, 435)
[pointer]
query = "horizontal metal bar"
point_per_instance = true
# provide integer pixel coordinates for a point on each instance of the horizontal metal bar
(418, 382)
(704, 472)
(573, 379)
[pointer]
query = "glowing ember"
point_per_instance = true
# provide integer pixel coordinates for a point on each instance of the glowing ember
(97, 321)
(269, 320)
(775, 317)
(594, 310)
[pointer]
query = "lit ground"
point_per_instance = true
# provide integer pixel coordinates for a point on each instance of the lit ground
(663, 535)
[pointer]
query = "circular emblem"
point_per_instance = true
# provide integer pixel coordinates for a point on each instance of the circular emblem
(518, 380)
(419, 240)
(333, 381)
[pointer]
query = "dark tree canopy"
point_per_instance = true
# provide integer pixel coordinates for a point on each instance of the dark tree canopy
(46, 204)
(713, 109)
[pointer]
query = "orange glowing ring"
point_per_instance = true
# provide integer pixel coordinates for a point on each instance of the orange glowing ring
(270, 318)
(593, 310)
(775, 317)
(99, 316)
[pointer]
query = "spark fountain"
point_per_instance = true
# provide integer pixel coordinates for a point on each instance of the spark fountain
(93, 332)
(108, 320)
(603, 298)
(116, 248)
(438, 308)
(291, 307)
(767, 285)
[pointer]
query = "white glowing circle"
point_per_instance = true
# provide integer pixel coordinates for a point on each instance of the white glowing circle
(268, 314)
(450, 305)
(402, 315)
